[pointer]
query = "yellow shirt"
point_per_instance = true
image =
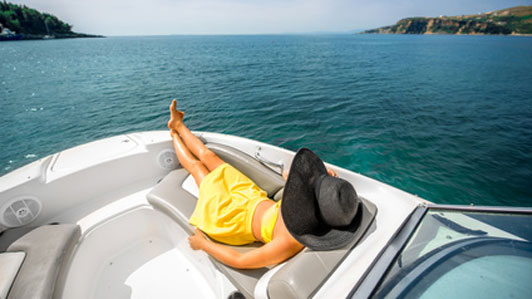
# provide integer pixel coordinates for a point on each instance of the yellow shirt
(268, 222)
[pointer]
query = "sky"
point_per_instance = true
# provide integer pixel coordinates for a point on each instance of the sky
(163, 17)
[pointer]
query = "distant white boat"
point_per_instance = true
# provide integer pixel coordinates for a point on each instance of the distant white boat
(7, 34)
(109, 219)
(48, 35)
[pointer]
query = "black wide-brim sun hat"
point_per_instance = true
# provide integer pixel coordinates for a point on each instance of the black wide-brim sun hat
(320, 211)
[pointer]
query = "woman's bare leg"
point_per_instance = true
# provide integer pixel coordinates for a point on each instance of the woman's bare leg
(194, 144)
(195, 167)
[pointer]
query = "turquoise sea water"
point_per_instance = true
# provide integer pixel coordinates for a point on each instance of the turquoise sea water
(448, 118)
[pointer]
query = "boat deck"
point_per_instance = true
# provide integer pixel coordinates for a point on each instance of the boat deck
(132, 248)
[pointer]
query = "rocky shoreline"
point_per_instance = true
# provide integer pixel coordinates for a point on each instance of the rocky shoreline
(510, 21)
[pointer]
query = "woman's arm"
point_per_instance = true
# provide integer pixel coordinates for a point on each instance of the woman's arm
(277, 251)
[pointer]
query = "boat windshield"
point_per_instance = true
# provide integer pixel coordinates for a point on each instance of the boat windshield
(456, 254)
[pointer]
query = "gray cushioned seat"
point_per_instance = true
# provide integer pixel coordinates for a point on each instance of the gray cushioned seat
(47, 248)
(169, 197)
(304, 273)
(10, 263)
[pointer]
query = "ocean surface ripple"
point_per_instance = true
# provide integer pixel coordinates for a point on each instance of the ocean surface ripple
(448, 118)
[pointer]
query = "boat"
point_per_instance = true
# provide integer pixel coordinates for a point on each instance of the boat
(6, 34)
(109, 219)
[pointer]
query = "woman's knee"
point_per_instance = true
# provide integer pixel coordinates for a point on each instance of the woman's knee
(210, 159)
(197, 165)
(192, 165)
(198, 171)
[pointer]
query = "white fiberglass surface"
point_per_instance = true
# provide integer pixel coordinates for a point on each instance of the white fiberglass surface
(151, 269)
(142, 254)
(93, 153)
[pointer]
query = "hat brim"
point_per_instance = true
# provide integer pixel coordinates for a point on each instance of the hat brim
(333, 238)
(300, 211)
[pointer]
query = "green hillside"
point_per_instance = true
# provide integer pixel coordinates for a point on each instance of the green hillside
(515, 20)
(33, 24)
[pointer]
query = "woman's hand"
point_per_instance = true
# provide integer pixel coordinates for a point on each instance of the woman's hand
(285, 174)
(197, 240)
(332, 172)
(329, 171)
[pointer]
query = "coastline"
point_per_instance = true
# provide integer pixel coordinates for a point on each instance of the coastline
(509, 21)
(19, 37)
(442, 33)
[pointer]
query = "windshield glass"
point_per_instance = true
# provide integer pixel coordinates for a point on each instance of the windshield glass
(456, 254)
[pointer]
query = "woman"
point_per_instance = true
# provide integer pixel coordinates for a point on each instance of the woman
(232, 209)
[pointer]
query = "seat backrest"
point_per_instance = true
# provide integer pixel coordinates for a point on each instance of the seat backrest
(303, 273)
(267, 179)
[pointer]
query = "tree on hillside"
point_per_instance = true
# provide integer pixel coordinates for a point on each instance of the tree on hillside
(26, 20)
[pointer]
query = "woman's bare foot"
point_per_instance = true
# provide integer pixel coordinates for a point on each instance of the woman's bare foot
(176, 116)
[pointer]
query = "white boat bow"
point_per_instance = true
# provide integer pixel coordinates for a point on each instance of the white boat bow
(119, 209)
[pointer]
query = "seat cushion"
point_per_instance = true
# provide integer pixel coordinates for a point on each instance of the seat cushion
(10, 263)
(169, 197)
(303, 273)
(47, 248)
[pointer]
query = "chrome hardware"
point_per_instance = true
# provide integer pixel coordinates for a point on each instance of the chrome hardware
(268, 163)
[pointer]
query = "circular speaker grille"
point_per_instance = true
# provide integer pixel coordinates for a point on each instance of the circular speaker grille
(167, 159)
(20, 211)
